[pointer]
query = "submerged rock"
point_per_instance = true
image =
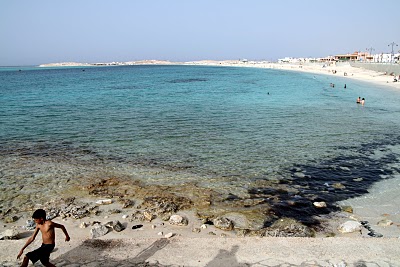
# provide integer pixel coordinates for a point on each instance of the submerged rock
(348, 209)
(321, 204)
(385, 222)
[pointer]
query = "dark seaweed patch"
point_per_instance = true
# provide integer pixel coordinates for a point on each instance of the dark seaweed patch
(189, 80)
(330, 181)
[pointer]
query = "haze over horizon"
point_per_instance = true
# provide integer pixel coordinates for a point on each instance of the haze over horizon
(37, 32)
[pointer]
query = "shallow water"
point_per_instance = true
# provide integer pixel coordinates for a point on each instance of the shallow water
(228, 129)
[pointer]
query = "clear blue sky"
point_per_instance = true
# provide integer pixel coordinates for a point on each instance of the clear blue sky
(34, 32)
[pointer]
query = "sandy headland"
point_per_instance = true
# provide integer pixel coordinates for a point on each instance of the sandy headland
(337, 69)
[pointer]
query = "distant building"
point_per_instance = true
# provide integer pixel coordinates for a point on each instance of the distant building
(386, 58)
(356, 56)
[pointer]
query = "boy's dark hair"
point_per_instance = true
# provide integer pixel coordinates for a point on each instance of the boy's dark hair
(39, 214)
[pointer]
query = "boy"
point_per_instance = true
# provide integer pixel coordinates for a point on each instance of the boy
(46, 227)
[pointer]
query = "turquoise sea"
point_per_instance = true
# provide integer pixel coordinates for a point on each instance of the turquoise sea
(224, 128)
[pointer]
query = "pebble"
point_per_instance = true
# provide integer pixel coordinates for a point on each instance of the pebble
(299, 175)
(196, 230)
(169, 235)
(98, 230)
(178, 220)
(104, 201)
(203, 226)
(160, 233)
(350, 227)
(321, 204)
(223, 223)
(83, 225)
(348, 209)
(125, 216)
(153, 226)
(148, 216)
(385, 222)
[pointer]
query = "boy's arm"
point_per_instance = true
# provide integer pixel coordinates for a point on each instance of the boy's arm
(57, 225)
(28, 242)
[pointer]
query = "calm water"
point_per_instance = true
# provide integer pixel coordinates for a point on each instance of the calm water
(224, 127)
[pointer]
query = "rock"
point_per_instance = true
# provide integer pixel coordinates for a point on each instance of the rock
(203, 226)
(211, 233)
(349, 227)
(178, 220)
(153, 226)
(104, 201)
(114, 211)
(11, 219)
(98, 230)
(338, 186)
(321, 204)
(287, 227)
(242, 232)
(165, 217)
(252, 220)
(83, 225)
(299, 175)
(196, 230)
(117, 226)
(223, 223)
(30, 225)
(348, 209)
(9, 234)
(169, 235)
(127, 203)
(358, 179)
(160, 233)
(125, 216)
(385, 222)
(148, 216)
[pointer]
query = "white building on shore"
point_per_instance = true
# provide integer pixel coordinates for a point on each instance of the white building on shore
(386, 58)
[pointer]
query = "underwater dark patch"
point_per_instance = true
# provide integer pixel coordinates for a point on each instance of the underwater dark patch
(330, 181)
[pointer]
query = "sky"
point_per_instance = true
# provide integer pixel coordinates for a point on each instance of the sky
(48, 31)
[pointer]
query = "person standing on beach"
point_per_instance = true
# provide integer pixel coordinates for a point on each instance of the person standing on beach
(47, 228)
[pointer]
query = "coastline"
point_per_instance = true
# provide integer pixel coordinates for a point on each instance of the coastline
(384, 249)
(354, 73)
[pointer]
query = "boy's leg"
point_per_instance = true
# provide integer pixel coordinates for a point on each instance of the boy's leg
(25, 262)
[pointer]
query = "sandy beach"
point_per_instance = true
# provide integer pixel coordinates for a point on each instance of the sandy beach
(197, 244)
